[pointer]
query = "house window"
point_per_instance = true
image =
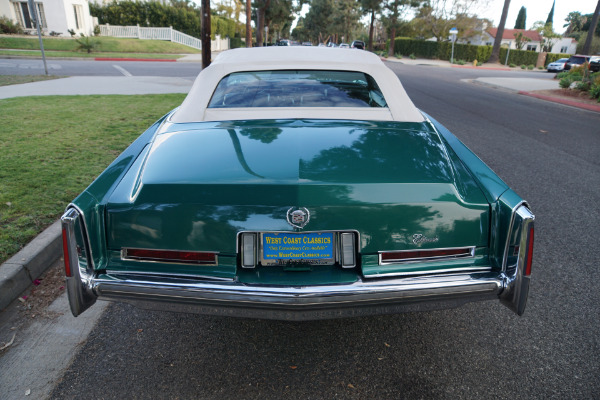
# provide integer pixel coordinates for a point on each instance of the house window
(24, 17)
(564, 49)
(78, 10)
(531, 47)
(41, 15)
(488, 43)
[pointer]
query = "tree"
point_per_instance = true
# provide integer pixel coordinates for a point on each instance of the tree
(345, 18)
(593, 25)
(318, 21)
(436, 17)
(521, 18)
(395, 9)
(521, 40)
(261, 9)
(574, 22)
(498, 40)
(548, 35)
(248, 26)
(550, 19)
(370, 7)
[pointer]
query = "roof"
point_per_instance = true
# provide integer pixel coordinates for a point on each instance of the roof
(194, 108)
(509, 34)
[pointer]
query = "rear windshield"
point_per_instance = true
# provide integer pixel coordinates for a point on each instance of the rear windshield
(298, 88)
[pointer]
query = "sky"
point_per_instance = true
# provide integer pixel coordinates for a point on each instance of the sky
(537, 10)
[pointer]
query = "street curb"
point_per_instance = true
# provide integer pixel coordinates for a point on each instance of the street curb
(135, 59)
(19, 271)
(585, 106)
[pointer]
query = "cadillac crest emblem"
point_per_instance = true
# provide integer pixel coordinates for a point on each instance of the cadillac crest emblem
(298, 218)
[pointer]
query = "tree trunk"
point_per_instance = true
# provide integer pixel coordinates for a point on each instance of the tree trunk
(371, 30)
(392, 40)
(248, 24)
(260, 24)
(588, 41)
(498, 40)
(205, 30)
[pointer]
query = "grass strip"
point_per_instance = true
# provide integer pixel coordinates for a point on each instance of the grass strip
(104, 44)
(52, 147)
(6, 80)
(38, 53)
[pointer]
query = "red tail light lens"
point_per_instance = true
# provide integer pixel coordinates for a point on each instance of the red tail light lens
(529, 252)
(66, 253)
(423, 255)
(185, 257)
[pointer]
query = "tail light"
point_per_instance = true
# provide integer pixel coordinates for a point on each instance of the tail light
(393, 257)
(66, 256)
(170, 256)
(529, 259)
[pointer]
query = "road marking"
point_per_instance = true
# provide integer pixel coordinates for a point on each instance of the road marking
(122, 70)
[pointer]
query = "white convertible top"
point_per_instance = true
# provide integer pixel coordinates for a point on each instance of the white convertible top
(194, 107)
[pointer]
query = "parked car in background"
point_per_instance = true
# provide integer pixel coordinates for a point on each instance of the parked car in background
(576, 61)
(595, 64)
(306, 44)
(358, 44)
(344, 46)
(294, 185)
(283, 42)
(557, 65)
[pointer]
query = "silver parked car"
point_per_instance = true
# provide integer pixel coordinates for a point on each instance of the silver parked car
(557, 65)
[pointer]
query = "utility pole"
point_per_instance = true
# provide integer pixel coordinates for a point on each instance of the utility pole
(205, 32)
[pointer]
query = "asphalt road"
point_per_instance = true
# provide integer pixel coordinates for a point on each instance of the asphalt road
(548, 153)
(100, 68)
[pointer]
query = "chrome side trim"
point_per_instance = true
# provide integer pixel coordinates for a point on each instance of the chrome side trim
(522, 203)
(469, 253)
(79, 286)
(169, 275)
(86, 236)
(516, 287)
(432, 272)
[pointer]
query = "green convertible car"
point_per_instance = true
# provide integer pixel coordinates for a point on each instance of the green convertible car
(294, 183)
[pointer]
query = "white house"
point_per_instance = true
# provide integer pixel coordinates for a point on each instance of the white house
(55, 15)
(560, 45)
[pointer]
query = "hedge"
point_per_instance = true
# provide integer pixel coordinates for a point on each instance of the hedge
(441, 50)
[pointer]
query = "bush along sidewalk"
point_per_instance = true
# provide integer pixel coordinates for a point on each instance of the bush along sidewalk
(580, 78)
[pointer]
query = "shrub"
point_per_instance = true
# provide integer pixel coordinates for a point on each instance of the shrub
(523, 66)
(479, 63)
(565, 82)
(9, 27)
(412, 57)
(583, 86)
(87, 44)
(562, 74)
(519, 57)
(530, 67)
(595, 91)
(512, 65)
(54, 33)
(461, 62)
(398, 55)
(97, 30)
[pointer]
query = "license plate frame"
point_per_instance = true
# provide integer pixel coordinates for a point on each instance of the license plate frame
(302, 248)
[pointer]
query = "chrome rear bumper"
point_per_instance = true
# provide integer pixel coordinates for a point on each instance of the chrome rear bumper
(232, 298)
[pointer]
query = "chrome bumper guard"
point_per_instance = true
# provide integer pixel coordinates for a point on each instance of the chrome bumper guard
(232, 298)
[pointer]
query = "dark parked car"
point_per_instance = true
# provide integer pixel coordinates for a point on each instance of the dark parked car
(595, 64)
(298, 184)
(576, 61)
(358, 44)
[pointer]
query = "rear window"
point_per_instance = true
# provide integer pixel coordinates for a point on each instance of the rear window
(297, 88)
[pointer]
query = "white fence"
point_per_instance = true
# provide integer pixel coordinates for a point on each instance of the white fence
(169, 34)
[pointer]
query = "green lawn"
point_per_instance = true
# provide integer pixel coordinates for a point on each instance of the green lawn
(6, 80)
(51, 53)
(52, 147)
(105, 45)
